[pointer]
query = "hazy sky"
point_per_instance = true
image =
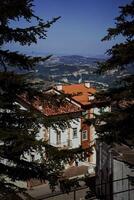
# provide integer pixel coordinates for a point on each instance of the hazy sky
(82, 25)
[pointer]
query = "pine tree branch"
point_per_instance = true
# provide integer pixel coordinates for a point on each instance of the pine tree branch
(3, 64)
(120, 56)
(14, 9)
(124, 23)
(15, 59)
(25, 36)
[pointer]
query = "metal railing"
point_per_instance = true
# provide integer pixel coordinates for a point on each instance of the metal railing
(107, 191)
(94, 195)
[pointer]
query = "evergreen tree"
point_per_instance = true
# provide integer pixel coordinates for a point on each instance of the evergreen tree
(19, 127)
(118, 125)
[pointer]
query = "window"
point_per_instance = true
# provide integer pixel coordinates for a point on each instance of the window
(74, 132)
(58, 137)
(102, 110)
(84, 135)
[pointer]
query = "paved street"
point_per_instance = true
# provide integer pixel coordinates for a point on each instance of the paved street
(78, 195)
(43, 192)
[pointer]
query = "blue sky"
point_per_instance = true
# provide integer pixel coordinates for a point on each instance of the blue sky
(82, 25)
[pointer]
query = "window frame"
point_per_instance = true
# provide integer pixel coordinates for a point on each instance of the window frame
(58, 137)
(86, 132)
(75, 136)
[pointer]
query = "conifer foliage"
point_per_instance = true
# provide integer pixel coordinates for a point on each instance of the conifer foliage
(19, 127)
(118, 125)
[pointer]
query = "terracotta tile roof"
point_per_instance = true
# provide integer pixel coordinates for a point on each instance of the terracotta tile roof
(66, 108)
(51, 110)
(80, 92)
(83, 99)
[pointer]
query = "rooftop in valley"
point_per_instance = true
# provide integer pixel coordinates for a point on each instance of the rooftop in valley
(82, 93)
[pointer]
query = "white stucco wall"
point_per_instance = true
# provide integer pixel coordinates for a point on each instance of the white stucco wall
(98, 111)
(67, 134)
(93, 137)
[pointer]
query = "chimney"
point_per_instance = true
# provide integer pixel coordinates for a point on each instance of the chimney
(91, 97)
(87, 84)
(40, 108)
(59, 87)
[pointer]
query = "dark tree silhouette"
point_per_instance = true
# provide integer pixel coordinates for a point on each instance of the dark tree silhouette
(118, 125)
(18, 127)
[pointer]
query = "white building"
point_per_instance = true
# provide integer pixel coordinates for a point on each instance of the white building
(65, 136)
(69, 137)
(82, 94)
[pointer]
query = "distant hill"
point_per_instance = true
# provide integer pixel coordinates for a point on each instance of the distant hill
(78, 59)
(74, 69)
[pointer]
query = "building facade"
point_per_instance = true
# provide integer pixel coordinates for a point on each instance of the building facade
(82, 94)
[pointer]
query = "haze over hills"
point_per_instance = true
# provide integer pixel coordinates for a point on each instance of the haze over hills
(68, 69)
(74, 69)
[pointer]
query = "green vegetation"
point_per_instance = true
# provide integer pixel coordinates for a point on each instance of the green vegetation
(118, 125)
(19, 127)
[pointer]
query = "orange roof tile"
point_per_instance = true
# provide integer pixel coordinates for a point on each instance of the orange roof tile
(51, 110)
(77, 88)
(65, 108)
(80, 92)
